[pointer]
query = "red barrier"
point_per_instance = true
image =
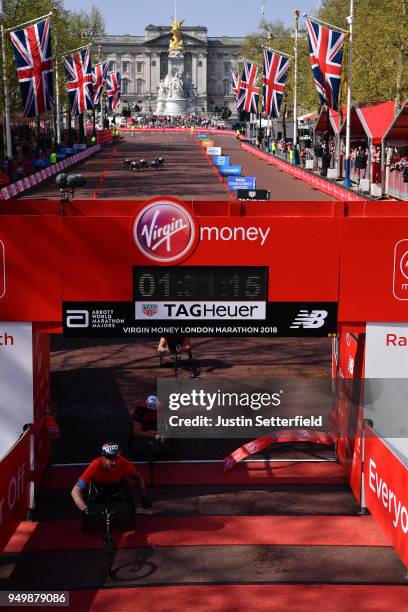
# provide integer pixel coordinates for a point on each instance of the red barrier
(344, 195)
(14, 487)
(104, 137)
(35, 179)
(197, 130)
(349, 366)
(42, 402)
(386, 491)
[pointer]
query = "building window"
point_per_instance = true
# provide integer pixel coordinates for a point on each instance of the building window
(111, 66)
(227, 87)
(139, 86)
(125, 86)
(125, 66)
(227, 67)
(139, 67)
(211, 88)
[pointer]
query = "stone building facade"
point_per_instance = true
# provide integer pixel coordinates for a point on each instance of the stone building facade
(143, 61)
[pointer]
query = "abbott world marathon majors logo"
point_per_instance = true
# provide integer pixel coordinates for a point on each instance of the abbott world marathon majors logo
(165, 231)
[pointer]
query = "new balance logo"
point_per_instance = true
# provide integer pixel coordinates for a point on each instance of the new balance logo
(309, 320)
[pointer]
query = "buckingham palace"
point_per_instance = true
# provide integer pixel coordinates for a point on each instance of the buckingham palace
(143, 62)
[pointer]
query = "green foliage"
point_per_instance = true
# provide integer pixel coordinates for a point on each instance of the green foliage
(380, 50)
(71, 29)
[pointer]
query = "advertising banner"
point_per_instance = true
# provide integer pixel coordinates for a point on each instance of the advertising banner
(221, 160)
(386, 383)
(349, 364)
(214, 150)
(241, 182)
(16, 382)
(386, 491)
(230, 170)
(377, 288)
(42, 400)
(253, 195)
(14, 487)
(199, 318)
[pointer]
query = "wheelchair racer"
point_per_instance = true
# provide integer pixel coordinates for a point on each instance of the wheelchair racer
(109, 474)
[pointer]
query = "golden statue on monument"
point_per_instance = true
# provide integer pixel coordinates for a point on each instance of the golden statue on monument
(176, 43)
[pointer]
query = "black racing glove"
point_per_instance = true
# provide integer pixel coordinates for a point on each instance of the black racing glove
(88, 514)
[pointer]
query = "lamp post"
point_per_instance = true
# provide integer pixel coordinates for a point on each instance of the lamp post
(296, 12)
(57, 91)
(350, 18)
(9, 148)
(102, 100)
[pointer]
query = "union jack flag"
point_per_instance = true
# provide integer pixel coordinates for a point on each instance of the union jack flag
(275, 72)
(326, 57)
(113, 82)
(32, 51)
(248, 94)
(236, 85)
(78, 70)
(99, 72)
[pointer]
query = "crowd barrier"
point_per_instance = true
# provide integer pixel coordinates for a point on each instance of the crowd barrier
(14, 487)
(104, 137)
(386, 490)
(35, 179)
(397, 187)
(182, 130)
(342, 194)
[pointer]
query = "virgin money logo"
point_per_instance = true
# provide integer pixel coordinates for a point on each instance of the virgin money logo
(400, 277)
(164, 231)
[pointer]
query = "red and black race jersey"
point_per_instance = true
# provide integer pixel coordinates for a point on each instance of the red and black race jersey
(97, 472)
(146, 417)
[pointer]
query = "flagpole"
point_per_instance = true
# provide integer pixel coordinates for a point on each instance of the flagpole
(9, 148)
(57, 91)
(73, 50)
(25, 23)
(102, 100)
(347, 181)
(295, 126)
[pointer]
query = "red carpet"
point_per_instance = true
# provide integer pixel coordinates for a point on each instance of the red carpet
(212, 474)
(204, 531)
(271, 598)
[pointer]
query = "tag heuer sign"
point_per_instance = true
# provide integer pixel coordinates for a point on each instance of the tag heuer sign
(252, 195)
(150, 309)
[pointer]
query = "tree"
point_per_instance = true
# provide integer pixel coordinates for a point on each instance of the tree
(280, 38)
(72, 29)
(380, 47)
(380, 51)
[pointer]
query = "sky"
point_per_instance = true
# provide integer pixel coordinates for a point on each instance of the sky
(228, 17)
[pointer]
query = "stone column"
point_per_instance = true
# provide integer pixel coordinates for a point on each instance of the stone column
(194, 74)
(148, 73)
(155, 74)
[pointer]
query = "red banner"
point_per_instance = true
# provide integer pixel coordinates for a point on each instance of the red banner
(386, 491)
(14, 487)
(104, 136)
(41, 392)
(197, 130)
(256, 446)
(349, 413)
